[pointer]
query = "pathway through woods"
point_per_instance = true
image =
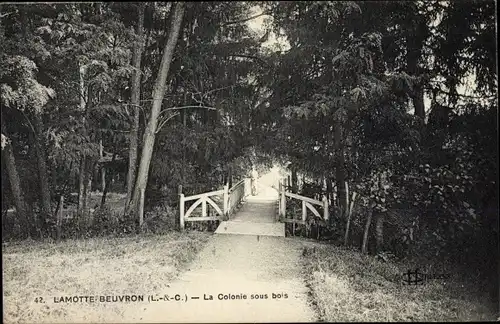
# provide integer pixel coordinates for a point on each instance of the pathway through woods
(253, 276)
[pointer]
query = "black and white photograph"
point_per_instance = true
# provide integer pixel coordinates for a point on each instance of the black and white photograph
(249, 161)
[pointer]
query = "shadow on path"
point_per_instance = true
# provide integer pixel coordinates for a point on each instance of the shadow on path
(255, 277)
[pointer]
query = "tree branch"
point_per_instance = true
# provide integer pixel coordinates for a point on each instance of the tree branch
(465, 96)
(7, 14)
(165, 121)
(186, 107)
(29, 122)
(218, 89)
(245, 19)
(249, 57)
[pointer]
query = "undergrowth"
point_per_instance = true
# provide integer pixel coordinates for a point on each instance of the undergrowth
(349, 286)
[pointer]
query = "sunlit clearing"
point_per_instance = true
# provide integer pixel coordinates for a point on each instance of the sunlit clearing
(267, 184)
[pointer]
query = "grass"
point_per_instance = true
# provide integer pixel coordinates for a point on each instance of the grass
(99, 266)
(349, 286)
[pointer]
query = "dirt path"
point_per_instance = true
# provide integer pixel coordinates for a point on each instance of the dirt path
(263, 269)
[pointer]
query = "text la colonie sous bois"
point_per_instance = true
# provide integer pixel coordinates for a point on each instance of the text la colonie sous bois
(177, 297)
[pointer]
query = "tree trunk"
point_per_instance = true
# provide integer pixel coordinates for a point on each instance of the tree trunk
(329, 189)
(158, 94)
(379, 225)
(81, 187)
(63, 188)
(108, 181)
(418, 103)
(230, 176)
(15, 183)
(364, 246)
(135, 103)
(340, 172)
(89, 171)
(379, 231)
(103, 178)
(83, 159)
(102, 167)
(42, 168)
(414, 48)
(349, 215)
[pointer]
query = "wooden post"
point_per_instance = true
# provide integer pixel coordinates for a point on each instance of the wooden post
(279, 197)
(283, 202)
(141, 207)
(346, 198)
(103, 177)
(304, 211)
(204, 206)
(103, 169)
(181, 208)
(225, 208)
(325, 208)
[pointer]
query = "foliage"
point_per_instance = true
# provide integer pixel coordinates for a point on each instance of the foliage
(338, 104)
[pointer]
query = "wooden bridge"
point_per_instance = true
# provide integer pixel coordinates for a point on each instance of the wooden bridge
(241, 213)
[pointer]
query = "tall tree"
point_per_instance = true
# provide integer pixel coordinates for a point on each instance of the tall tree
(158, 95)
(135, 101)
(22, 92)
(43, 171)
(14, 180)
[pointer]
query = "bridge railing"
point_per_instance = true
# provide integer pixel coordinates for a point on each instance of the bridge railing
(236, 195)
(308, 204)
(224, 207)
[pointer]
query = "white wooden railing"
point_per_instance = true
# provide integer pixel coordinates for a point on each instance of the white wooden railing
(224, 208)
(236, 195)
(307, 204)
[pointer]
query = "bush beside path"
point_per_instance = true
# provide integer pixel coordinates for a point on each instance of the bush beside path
(348, 286)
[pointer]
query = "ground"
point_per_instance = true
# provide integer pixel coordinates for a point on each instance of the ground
(330, 283)
(348, 286)
(260, 277)
(236, 277)
(112, 266)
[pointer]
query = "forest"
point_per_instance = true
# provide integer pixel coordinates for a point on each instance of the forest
(389, 108)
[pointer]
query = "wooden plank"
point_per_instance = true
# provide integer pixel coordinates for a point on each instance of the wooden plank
(204, 206)
(309, 200)
(214, 205)
(326, 213)
(312, 209)
(207, 194)
(292, 220)
(236, 185)
(198, 219)
(304, 210)
(193, 206)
